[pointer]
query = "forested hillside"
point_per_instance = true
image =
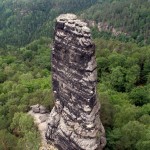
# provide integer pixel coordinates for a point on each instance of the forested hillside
(24, 80)
(22, 21)
(26, 29)
(128, 16)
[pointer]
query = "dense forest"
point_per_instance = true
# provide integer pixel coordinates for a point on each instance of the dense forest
(26, 32)
(22, 21)
(131, 17)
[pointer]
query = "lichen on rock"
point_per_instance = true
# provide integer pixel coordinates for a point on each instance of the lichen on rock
(74, 122)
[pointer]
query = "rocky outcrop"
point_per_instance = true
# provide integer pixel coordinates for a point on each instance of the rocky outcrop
(40, 115)
(74, 122)
(104, 26)
(39, 109)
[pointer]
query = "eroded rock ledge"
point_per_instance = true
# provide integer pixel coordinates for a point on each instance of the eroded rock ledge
(40, 115)
(74, 122)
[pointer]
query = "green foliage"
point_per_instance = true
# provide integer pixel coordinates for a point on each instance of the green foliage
(131, 17)
(133, 131)
(144, 143)
(2, 77)
(25, 21)
(107, 111)
(21, 123)
(23, 127)
(29, 141)
(26, 82)
(140, 95)
(124, 64)
(117, 78)
(125, 114)
(132, 76)
(7, 140)
(123, 90)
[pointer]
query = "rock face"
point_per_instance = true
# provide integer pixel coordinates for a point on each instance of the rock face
(39, 109)
(40, 118)
(74, 122)
(104, 26)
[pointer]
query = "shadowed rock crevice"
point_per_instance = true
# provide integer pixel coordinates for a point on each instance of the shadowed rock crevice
(74, 122)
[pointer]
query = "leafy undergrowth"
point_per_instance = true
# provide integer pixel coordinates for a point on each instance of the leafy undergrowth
(25, 80)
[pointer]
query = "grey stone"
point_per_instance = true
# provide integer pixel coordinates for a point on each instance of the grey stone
(85, 29)
(43, 118)
(35, 106)
(74, 122)
(36, 109)
(43, 110)
(39, 109)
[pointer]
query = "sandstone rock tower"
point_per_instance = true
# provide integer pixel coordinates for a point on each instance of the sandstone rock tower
(74, 122)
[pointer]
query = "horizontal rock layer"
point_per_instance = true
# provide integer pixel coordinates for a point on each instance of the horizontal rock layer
(74, 122)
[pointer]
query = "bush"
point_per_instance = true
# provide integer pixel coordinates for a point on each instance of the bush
(140, 96)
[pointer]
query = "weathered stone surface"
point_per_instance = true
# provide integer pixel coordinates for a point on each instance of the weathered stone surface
(74, 122)
(40, 121)
(43, 118)
(43, 110)
(39, 109)
(104, 26)
(35, 108)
